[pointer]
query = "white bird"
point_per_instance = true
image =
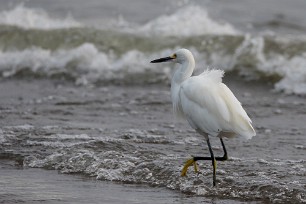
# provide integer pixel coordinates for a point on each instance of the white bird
(207, 104)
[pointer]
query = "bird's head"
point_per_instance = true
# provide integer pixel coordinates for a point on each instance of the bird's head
(180, 56)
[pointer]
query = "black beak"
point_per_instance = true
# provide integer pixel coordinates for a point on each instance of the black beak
(164, 59)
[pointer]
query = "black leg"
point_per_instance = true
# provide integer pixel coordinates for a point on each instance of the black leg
(224, 150)
(217, 158)
(193, 160)
(213, 160)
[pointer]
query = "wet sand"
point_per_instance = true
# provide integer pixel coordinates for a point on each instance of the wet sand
(276, 117)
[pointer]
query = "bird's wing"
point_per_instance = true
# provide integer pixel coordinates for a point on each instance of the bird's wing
(200, 91)
(224, 110)
(239, 118)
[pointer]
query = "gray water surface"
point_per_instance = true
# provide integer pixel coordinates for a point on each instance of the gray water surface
(23, 185)
(280, 16)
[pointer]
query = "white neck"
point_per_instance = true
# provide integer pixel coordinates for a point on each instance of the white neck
(180, 75)
(184, 71)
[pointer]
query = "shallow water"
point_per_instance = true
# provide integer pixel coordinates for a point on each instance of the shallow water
(24, 185)
(89, 131)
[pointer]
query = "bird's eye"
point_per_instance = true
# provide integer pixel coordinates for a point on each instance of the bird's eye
(173, 56)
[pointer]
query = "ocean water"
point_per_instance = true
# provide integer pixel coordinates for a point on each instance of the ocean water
(86, 128)
(127, 135)
(102, 42)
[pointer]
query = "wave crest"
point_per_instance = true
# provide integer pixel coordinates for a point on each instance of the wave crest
(30, 18)
(187, 21)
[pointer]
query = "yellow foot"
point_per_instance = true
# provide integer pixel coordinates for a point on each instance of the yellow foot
(189, 163)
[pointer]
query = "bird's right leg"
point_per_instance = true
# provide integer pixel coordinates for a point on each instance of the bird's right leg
(223, 158)
(225, 152)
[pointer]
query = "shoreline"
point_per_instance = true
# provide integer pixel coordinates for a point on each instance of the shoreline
(35, 185)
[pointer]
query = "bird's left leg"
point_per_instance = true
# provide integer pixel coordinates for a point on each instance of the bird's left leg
(193, 160)
(189, 163)
(214, 163)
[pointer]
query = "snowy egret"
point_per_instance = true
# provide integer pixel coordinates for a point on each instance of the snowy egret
(207, 104)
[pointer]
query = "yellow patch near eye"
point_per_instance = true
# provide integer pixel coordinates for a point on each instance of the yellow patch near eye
(173, 56)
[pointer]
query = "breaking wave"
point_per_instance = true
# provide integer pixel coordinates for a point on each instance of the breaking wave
(31, 18)
(187, 21)
(43, 46)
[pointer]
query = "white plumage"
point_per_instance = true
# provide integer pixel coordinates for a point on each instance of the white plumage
(211, 107)
(207, 104)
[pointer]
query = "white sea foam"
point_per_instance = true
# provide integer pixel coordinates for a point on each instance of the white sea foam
(291, 70)
(87, 64)
(24, 17)
(294, 75)
(44, 61)
(187, 21)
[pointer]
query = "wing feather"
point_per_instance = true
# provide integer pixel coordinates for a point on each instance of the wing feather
(221, 111)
